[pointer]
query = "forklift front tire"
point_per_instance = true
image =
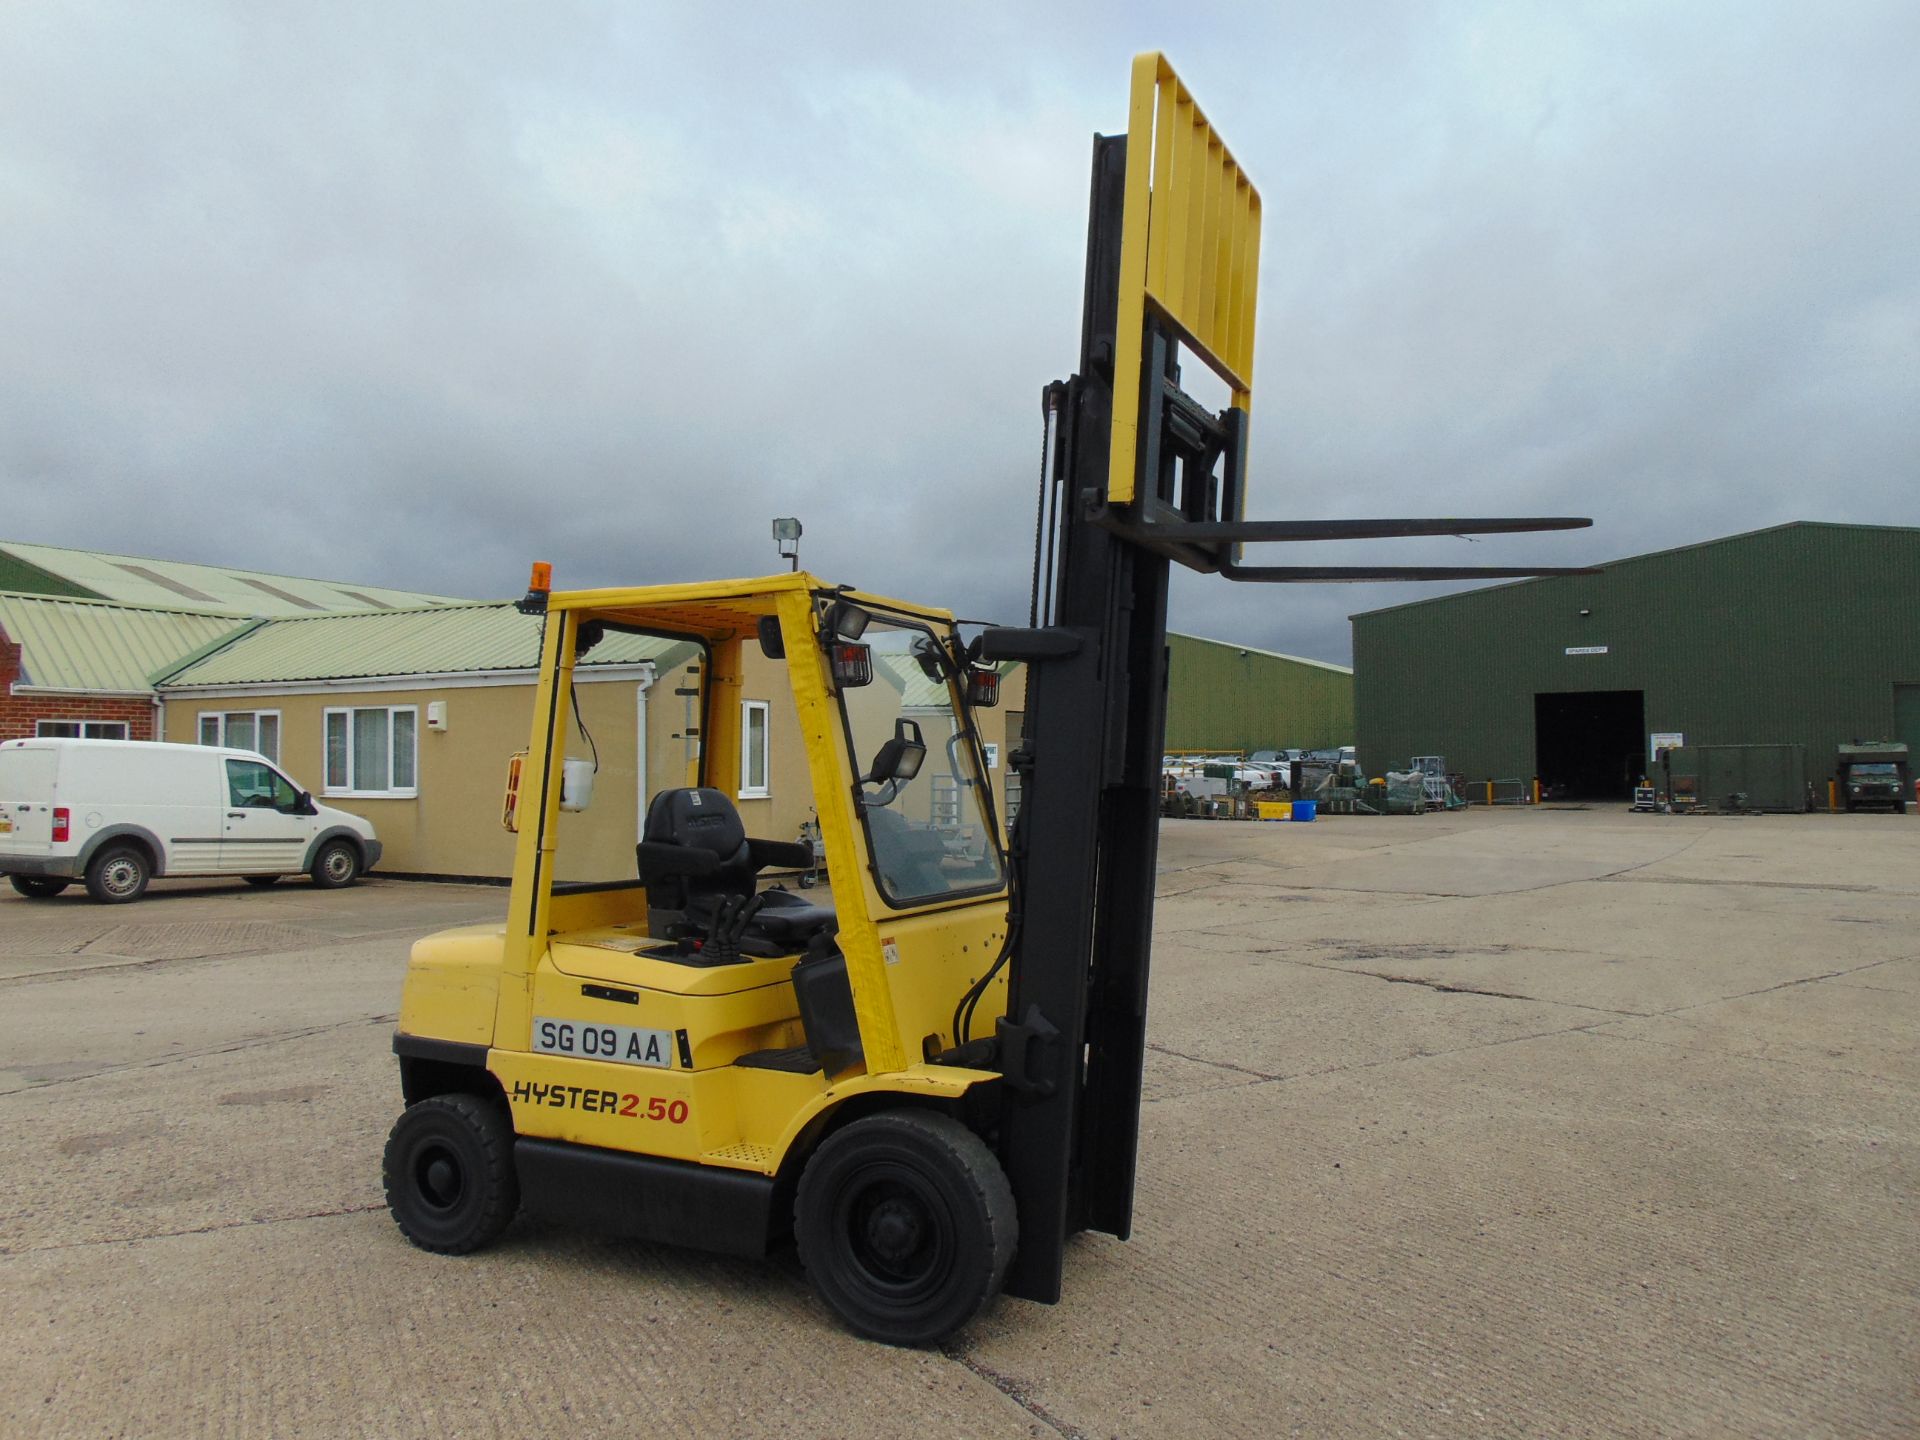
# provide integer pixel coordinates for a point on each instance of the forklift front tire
(449, 1173)
(906, 1224)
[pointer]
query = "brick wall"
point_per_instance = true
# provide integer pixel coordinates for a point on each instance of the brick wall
(19, 713)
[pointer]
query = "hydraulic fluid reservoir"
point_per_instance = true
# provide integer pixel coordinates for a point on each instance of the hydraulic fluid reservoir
(576, 784)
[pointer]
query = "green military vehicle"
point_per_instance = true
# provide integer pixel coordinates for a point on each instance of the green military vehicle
(1873, 775)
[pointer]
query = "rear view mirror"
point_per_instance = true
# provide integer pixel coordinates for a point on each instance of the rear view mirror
(901, 757)
(772, 644)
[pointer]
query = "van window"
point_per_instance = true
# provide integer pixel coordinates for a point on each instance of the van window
(251, 784)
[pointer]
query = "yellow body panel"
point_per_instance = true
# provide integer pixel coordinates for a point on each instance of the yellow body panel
(726, 1011)
(581, 960)
(1189, 251)
(724, 1116)
(453, 985)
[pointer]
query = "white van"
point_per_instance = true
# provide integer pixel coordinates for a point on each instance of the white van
(115, 813)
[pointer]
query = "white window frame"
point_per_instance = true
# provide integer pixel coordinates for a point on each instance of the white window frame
(220, 719)
(351, 790)
(748, 790)
(81, 727)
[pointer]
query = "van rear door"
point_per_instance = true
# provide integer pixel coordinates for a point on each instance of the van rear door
(26, 798)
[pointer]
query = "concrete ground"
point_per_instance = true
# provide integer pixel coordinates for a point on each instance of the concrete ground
(1521, 1123)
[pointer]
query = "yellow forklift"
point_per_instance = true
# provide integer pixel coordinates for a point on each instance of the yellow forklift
(928, 1079)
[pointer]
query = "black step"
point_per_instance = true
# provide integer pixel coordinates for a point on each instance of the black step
(797, 1061)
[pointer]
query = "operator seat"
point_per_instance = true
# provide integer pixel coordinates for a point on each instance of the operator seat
(696, 861)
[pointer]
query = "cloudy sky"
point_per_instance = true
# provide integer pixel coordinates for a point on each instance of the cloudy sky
(412, 294)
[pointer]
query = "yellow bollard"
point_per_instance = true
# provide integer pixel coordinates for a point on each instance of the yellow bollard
(1833, 795)
(1489, 792)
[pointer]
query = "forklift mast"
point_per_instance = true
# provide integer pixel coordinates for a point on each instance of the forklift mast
(1139, 475)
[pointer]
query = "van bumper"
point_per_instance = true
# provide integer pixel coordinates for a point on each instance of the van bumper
(372, 849)
(62, 867)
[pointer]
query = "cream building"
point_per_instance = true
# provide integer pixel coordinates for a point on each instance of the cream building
(410, 718)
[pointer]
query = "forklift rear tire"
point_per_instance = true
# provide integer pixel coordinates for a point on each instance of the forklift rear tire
(449, 1173)
(906, 1224)
(39, 887)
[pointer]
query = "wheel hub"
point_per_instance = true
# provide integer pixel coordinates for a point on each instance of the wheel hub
(894, 1230)
(440, 1182)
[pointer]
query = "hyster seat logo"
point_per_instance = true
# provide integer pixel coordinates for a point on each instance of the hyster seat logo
(582, 1040)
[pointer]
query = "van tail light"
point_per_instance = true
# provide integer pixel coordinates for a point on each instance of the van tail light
(983, 689)
(852, 665)
(62, 823)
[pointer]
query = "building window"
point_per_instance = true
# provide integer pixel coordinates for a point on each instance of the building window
(371, 750)
(753, 750)
(80, 729)
(257, 730)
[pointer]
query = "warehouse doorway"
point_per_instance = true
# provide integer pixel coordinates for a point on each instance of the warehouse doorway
(1590, 744)
(1906, 716)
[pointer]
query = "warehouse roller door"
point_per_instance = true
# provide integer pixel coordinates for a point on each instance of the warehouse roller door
(1590, 744)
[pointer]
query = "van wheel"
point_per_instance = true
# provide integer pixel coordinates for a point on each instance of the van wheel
(118, 874)
(906, 1224)
(38, 887)
(337, 864)
(261, 881)
(448, 1172)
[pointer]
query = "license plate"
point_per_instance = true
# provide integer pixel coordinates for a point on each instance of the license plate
(584, 1040)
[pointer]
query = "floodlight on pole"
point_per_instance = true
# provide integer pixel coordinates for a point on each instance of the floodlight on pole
(786, 535)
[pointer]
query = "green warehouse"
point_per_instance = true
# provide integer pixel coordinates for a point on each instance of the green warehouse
(1804, 634)
(1226, 697)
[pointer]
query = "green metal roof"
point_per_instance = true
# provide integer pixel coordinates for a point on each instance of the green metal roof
(439, 640)
(1702, 547)
(1256, 650)
(94, 645)
(133, 580)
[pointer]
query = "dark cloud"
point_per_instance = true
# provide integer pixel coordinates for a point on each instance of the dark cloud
(415, 294)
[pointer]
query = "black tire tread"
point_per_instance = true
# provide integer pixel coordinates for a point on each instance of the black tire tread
(97, 866)
(962, 1156)
(319, 870)
(39, 887)
(489, 1126)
